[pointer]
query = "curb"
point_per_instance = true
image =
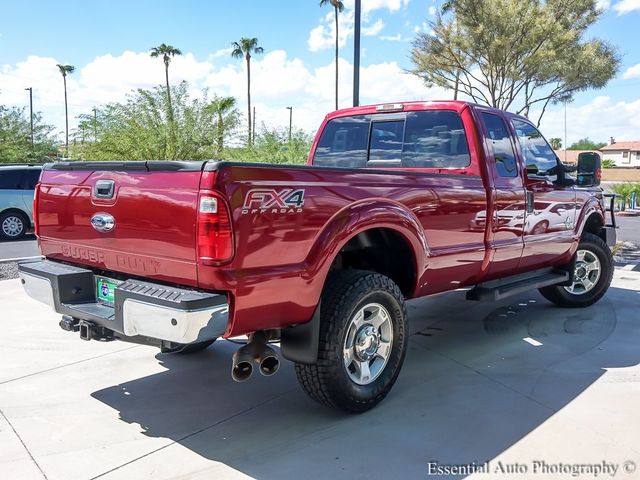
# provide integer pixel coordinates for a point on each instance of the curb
(20, 259)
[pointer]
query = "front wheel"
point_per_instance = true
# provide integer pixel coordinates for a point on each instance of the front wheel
(363, 341)
(592, 275)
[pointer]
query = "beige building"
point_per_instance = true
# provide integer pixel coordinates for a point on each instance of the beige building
(623, 154)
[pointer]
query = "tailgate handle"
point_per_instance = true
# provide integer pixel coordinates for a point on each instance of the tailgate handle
(104, 189)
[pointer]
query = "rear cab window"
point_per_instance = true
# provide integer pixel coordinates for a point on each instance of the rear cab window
(415, 139)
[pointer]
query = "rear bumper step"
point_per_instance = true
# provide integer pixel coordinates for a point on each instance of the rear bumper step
(140, 308)
(507, 287)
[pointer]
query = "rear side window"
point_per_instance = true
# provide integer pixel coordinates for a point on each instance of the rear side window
(500, 141)
(425, 139)
(343, 143)
(12, 180)
(435, 139)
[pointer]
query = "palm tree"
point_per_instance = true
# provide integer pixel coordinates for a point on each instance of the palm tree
(66, 70)
(224, 108)
(244, 48)
(166, 52)
(338, 6)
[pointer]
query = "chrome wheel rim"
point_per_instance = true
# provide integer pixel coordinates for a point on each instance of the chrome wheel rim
(12, 226)
(367, 344)
(586, 274)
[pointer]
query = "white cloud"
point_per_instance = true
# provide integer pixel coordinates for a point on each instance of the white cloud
(432, 10)
(393, 38)
(626, 6)
(599, 119)
(632, 72)
(277, 81)
(223, 52)
(322, 36)
(603, 4)
(373, 30)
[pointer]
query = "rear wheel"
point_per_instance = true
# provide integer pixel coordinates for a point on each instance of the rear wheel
(13, 225)
(363, 341)
(189, 348)
(592, 275)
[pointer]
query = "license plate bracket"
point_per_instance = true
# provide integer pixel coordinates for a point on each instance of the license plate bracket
(105, 290)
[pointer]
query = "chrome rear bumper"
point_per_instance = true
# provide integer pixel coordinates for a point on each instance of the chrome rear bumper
(141, 309)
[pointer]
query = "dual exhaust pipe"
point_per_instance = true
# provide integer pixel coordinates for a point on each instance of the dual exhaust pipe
(255, 352)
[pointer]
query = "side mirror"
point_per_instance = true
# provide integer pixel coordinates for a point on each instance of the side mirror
(589, 169)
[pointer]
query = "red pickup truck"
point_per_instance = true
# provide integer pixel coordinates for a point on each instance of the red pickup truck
(397, 201)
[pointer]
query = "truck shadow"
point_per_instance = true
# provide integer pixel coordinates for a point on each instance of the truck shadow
(477, 379)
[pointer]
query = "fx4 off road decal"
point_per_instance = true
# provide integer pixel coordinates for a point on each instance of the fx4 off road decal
(269, 200)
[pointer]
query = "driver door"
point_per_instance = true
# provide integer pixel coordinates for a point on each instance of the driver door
(551, 206)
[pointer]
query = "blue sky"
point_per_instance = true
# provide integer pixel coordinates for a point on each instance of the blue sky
(108, 42)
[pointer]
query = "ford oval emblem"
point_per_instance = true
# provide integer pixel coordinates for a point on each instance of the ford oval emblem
(103, 222)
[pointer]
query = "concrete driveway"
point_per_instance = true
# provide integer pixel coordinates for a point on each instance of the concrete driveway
(519, 381)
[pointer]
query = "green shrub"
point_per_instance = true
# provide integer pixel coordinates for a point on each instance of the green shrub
(608, 163)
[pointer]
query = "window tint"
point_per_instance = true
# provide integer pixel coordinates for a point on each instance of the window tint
(499, 139)
(539, 158)
(343, 143)
(12, 180)
(386, 142)
(435, 139)
(32, 177)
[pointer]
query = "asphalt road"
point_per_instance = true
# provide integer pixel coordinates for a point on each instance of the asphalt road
(20, 249)
(517, 381)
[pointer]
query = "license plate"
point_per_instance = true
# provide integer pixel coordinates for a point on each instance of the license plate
(105, 290)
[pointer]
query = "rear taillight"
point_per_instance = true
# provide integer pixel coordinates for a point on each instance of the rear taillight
(35, 209)
(215, 235)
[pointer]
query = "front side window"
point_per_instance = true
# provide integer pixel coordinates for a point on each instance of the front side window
(343, 143)
(539, 158)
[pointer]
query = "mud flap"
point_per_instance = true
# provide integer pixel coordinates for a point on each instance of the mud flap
(300, 343)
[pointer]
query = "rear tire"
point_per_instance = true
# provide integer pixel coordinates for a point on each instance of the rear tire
(13, 225)
(190, 348)
(363, 342)
(592, 275)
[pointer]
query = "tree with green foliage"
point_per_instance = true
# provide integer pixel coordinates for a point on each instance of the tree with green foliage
(623, 192)
(166, 52)
(273, 146)
(338, 7)
(515, 54)
(556, 143)
(246, 47)
(15, 137)
(227, 119)
(586, 144)
(138, 129)
(64, 71)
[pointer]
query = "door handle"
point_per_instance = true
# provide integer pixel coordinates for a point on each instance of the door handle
(529, 201)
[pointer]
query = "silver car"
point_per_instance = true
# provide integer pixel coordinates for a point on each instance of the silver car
(17, 186)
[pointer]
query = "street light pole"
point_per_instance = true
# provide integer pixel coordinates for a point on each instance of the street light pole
(31, 111)
(356, 54)
(290, 121)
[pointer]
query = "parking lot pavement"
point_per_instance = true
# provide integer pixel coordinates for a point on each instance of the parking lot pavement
(515, 381)
(20, 249)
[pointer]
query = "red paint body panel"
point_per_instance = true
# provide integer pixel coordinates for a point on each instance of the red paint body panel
(282, 256)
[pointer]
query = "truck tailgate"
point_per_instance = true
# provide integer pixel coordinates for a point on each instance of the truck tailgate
(152, 205)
